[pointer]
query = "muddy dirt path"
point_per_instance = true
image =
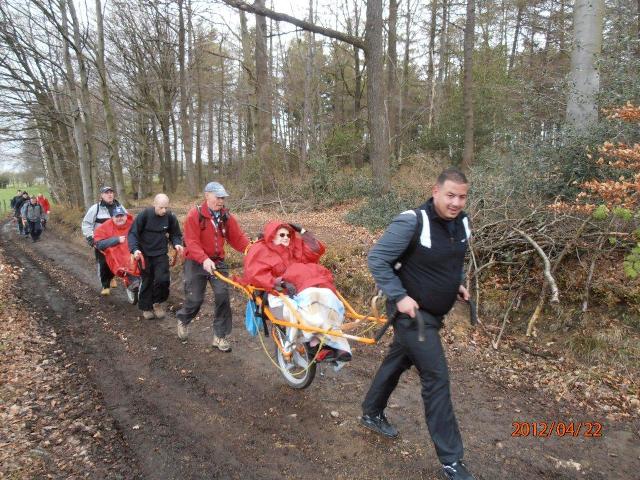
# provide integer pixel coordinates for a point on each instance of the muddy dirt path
(187, 411)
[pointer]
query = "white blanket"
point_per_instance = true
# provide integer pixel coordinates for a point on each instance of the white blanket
(317, 307)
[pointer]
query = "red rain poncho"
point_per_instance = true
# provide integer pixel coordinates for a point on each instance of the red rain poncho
(297, 263)
(118, 257)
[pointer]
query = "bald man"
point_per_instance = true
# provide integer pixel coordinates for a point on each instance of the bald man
(150, 233)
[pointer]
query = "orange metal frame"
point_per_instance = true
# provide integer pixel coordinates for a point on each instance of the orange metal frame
(350, 313)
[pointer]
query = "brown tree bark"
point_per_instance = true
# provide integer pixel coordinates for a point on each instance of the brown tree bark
(392, 79)
(379, 144)
(185, 100)
(112, 130)
(467, 89)
(263, 91)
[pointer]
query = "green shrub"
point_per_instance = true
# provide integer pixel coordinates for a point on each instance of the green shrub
(378, 211)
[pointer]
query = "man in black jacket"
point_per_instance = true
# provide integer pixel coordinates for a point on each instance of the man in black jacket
(17, 203)
(148, 236)
(424, 276)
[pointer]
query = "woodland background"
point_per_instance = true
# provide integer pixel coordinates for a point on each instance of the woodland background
(360, 104)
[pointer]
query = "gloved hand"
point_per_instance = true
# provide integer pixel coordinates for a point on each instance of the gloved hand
(297, 228)
(282, 286)
(290, 288)
(89, 241)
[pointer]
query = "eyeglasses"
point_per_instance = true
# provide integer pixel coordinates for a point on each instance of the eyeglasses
(283, 235)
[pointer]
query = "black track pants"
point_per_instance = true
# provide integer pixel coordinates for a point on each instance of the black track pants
(195, 284)
(104, 272)
(155, 280)
(429, 359)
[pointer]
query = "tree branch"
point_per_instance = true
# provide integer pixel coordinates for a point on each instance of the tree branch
(311, 27)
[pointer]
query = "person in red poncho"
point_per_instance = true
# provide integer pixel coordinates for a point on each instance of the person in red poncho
(110, 238)
(286, 259)
(281, 250)
(46, 209)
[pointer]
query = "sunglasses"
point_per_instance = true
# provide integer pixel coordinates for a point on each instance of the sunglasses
(283, 235)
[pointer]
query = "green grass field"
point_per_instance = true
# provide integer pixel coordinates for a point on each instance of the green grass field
(6, 194)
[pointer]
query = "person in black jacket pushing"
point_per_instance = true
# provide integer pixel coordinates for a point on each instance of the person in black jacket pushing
(422, 281)
(149, 234)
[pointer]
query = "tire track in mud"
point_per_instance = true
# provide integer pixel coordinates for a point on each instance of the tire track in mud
(187, 411)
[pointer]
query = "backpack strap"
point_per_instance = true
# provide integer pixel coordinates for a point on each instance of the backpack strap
(413, 243)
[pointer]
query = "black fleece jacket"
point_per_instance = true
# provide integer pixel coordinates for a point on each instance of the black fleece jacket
(149, 233)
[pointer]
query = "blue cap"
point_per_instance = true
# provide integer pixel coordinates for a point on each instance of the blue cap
(119, 210)
(217, 189)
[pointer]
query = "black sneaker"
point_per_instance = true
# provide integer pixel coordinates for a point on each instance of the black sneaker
(457, 471)
(379, 423)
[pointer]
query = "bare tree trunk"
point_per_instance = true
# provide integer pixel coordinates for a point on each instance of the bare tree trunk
(467, 89)
(185, 100)
(221, 117)
(357, 94)
(249, 64)
(392, 78)
(431, 84)
(404, 98)
(308, 75)
(379, 144)
(210, 140)
(112, 130)
(85, 101)
(584, 79)
(78, 129)
(263, 91)
(443, 60)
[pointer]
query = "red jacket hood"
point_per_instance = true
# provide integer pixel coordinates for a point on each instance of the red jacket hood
(271, 228)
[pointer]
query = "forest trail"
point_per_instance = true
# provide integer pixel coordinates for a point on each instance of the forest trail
(188, 411)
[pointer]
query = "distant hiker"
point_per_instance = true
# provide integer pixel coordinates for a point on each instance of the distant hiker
(17, 203)
(32, 215)
(418, 263)
(97, 214)
(206, 229)
(110, 238)
(148, 237)
(46, 209)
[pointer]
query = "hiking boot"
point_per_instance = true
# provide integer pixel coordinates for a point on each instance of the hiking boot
(148, 314)
(158, 311)
(343, 356)
(114, 283)
(105, 292)
(379, 424)
(183, 330)
(221, 343)
(456, 471)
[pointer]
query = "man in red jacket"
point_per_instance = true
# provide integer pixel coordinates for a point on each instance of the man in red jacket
(46, 209)
(206, 229)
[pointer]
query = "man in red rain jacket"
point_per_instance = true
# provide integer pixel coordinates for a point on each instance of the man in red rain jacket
(206, 230)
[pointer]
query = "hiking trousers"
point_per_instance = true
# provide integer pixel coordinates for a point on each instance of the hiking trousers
(104, 272)
(154, 282)
(195, 284)
(429, 359)
(34, 229)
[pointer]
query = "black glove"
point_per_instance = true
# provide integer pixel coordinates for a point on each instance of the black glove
(290, 288)
(282, 286)
(297, 228)
(89, 241)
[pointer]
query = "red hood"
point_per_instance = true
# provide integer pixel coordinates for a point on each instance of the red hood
(271, 228)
